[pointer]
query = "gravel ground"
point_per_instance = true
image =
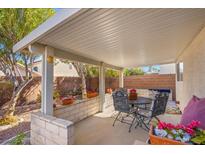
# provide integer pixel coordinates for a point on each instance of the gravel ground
(22, 126)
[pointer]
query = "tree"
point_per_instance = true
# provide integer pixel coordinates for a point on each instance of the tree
(111, 73)
(14, 25)
(133, 71)
(82, 72)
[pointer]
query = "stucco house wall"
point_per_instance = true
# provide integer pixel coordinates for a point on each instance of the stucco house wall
(193, 58)
(167, 69)
(60, 69)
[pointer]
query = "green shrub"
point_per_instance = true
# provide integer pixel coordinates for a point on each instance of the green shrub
(56, 94)
(8, 120)
(18, 140)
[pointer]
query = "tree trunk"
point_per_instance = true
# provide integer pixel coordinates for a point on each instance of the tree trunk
(84, 91)
(80, 68)
(14, 100)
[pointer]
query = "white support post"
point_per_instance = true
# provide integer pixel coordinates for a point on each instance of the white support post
(121, 79)
(102, 86)
(47, 81)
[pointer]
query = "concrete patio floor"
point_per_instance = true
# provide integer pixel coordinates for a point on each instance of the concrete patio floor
(98, 130)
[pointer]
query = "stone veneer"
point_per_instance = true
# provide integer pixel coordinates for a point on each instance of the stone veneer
(108, 106)
(47, 130)
(79, 110)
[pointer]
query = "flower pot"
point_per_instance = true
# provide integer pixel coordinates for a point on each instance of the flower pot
(133, 96)
(67, 101)
(156, 140)
(109, 91)
(91, 94)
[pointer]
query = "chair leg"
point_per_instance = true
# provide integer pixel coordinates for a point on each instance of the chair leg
(131, 124)
(145, 124)
(137, 122)
(116, 119)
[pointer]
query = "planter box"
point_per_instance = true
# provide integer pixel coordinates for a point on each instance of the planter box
(156, 140)
(91, 94)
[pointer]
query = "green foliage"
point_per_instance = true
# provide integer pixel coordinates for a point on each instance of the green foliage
(92, 71)
(15, 23)
(133, 71)
(56, 94)
(18, 140)
(199, 138)
(111, 73)
(8, 120)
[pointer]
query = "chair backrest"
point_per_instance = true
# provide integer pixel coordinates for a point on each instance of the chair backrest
(159, 104)
(120, 100)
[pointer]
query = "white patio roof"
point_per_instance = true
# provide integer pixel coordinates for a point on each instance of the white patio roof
(119, 37)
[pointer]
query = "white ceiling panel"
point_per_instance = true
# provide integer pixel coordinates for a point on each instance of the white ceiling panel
(128, 37)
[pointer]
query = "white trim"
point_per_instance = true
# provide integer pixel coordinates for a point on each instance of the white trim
(74, 57)
(47, 83)
(38, 48)
(102, 86)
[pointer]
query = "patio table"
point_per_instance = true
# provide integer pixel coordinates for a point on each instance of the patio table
(140, 101)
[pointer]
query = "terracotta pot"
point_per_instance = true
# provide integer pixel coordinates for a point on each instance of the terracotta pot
(67, 101)
(91, 94)
(109, 91)
(133, 96)
(156, 140)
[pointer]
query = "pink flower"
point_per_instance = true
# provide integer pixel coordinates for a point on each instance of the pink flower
(189, 131)
(194, 124)
(170, 126)
(180, 126)
(161, 125)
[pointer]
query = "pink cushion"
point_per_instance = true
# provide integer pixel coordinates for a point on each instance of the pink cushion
(195, 110)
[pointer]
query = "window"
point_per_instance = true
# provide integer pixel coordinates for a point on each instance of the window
(180, 69)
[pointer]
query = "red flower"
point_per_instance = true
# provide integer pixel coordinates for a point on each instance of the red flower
(189, 131)
(133, 91)
(161, 125)
(170, 126)
(194, 124)
(180, 126)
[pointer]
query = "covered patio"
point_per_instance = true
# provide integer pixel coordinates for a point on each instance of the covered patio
(98, 130)
(111, 38)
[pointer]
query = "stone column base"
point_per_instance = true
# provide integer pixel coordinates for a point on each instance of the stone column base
(48, 130)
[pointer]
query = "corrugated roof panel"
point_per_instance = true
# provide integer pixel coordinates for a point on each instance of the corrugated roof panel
(128, 37)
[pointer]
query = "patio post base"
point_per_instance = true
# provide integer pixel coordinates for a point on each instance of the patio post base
(49, 130)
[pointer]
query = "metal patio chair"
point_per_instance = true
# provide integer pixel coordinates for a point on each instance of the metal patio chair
(120, 100)
(158, 107)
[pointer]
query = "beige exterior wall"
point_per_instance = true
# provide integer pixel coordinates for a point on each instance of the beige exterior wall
(193, 58)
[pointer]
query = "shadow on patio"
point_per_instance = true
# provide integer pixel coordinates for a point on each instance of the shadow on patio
(98, 130)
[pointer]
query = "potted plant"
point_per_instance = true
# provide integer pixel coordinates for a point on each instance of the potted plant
(68, 100)
(167, 133)
(133, 94)
(91, 94)
(109, 90)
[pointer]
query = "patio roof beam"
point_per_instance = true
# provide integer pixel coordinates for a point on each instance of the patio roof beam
(38, 48)
(74, 57)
